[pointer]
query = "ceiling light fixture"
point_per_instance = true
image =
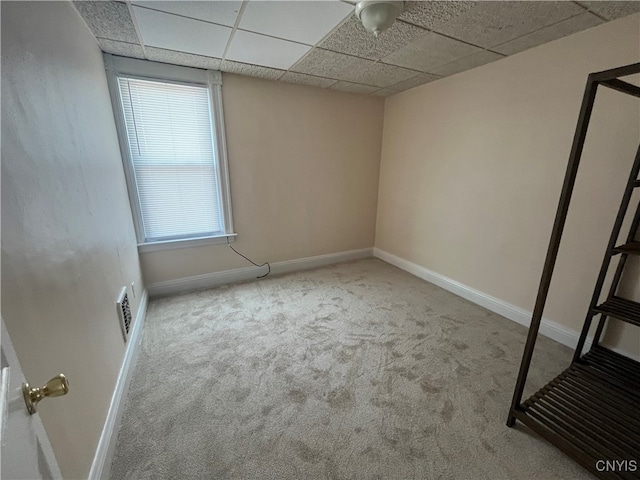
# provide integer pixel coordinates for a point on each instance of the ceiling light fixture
(378, 15)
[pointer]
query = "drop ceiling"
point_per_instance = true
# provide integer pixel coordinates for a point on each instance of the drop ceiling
(322, 44)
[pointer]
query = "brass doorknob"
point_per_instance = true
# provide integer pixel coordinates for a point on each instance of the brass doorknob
(56, 387)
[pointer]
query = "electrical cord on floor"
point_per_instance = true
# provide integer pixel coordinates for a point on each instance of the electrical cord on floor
(249, 260)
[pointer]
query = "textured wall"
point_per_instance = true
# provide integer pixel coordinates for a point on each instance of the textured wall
(472, 167)
(304, 166)
(68, 243)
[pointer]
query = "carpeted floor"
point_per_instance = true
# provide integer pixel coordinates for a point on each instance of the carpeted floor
(353, 371)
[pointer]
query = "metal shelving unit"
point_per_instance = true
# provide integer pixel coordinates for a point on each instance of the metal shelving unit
(591, 411)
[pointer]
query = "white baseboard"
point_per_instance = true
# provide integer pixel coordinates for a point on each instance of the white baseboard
(548, 328)
(210, 280)
(106, 445)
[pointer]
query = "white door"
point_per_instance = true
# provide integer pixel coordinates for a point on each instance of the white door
(26, 451)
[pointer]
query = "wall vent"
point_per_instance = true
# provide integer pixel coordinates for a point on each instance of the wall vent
(124, 312)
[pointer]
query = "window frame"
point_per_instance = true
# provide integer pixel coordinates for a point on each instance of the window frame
(147, 70)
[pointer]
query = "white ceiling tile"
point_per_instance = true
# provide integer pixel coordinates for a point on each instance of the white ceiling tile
(182, 58)
(385, 92)
(491, 23)
(611, 10)
(324, 63)
(301, 21)
(414, 82)
(171, 32)
(433, 14)
(108, 20)
(547, 34)
(353, 87)
(220, 12)
(467, 63)
(257, 49)
(250, 70)
(430, 51)
(310, 80)
(382, 75)
(124, 49)
(351, 38)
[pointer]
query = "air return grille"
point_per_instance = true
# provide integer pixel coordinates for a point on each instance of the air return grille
(124, 311)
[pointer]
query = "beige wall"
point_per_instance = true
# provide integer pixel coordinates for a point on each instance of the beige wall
(304, 165)
(68, 243)
(472, 167)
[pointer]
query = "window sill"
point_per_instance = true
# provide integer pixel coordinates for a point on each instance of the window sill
(188, 243)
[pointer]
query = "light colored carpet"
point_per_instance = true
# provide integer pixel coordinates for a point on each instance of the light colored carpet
(353, 371)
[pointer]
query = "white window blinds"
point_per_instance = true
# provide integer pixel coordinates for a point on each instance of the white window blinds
(173, 158)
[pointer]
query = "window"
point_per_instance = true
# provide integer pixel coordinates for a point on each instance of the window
(171, 133)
